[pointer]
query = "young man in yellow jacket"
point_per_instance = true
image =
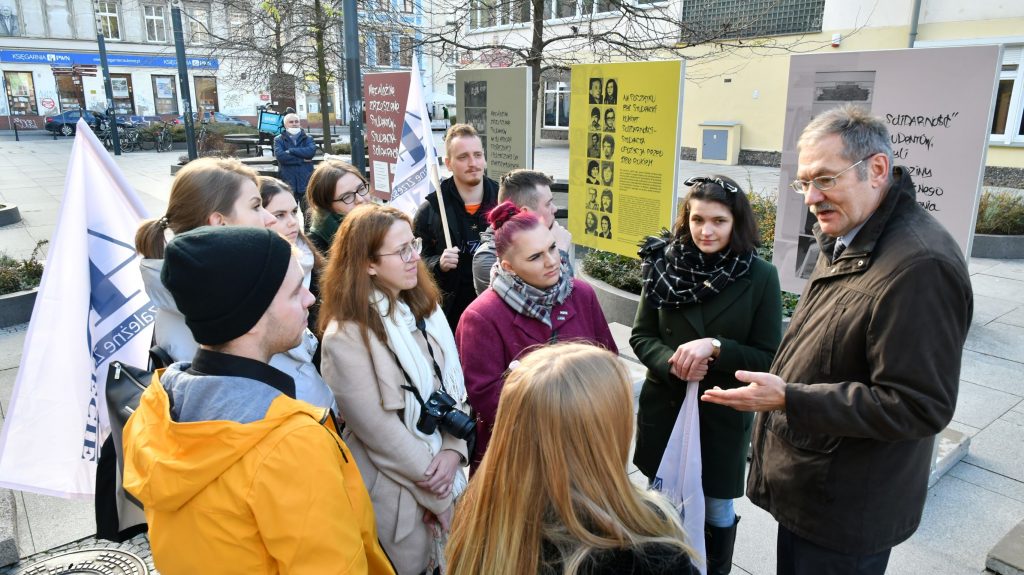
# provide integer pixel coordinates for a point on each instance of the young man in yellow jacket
(235, 474)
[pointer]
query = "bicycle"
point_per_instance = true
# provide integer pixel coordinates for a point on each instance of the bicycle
(160, 139)
(202, 139)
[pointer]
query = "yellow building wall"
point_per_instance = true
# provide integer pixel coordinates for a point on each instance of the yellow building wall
(749, 85)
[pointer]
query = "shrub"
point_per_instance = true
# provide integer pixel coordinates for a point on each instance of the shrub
(342, 148)
(19, 275)
(1000, 213)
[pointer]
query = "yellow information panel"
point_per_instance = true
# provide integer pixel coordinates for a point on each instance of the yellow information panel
(624, 130)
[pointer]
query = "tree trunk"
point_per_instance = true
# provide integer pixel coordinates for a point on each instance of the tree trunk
(321, 73)
(534, 62)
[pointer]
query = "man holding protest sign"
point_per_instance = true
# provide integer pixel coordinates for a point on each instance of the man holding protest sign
(466, 198)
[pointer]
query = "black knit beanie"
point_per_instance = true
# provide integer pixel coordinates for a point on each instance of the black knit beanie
(223, 278)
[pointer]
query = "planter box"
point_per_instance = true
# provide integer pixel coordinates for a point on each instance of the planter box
(9, 215)
(619, 306)
(16, 307)
(998, 247)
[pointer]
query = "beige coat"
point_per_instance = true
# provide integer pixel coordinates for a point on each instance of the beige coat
(366, 385)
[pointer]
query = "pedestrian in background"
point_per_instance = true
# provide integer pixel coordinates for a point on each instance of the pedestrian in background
(294, 150)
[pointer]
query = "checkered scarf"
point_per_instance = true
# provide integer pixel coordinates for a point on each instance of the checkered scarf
(677, 273)
(528, 300)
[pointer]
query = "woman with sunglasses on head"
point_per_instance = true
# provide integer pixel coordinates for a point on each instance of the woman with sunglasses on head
(387, 349)
(334, 190)
(215, 192)
(533, 300)
(709, 307)
(552, 497)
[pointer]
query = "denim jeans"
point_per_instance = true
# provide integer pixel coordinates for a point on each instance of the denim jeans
(719, 512)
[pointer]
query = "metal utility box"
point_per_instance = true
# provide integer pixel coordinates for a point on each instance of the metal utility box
(719, 143)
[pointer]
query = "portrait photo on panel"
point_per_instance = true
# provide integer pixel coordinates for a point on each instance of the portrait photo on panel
(606, 228)
(595, 90)
(607, 173)
(594, 145)
(591, 226)
(609, 120)
(594, 173)
(592, 199)
(606, 201)
(611, 91)
(608, 147)
(595, 118)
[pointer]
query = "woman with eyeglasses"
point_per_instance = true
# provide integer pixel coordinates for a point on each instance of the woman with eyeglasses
(533, 300)
(387, 349)
(709, 306)
(334, 190)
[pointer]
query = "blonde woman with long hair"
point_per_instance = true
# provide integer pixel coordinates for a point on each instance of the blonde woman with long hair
(552, 495)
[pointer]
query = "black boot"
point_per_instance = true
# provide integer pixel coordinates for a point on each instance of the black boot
(719, 543)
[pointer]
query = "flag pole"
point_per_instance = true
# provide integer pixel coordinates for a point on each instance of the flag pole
(434, 179)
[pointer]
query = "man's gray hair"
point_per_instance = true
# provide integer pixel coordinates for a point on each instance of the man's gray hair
(863, 134)
(290, 116)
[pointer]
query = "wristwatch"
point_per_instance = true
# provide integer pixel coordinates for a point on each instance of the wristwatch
(716, 349)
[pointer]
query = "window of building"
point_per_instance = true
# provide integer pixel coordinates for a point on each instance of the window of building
(405, 52)
(239, 25)
(198, 24)
(704, 19)
(165, 95)
(1008, 119)
(383, 50)
(206, 94)
(21, 93)
(121, 88)
(408, 6)
(156, 25)
(565, 8)
(556, 104)
(451, 88)
(362, 50)
(107, 13)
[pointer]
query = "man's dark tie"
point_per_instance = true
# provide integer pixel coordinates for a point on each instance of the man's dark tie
(839, 249)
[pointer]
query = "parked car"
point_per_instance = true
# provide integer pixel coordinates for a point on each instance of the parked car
(218, 118)
(145, 120)
(64, 123)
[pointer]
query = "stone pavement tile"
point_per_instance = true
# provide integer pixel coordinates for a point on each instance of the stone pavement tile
(55, 521)
(978, 265)
(991, 371)
(979, 406)
(987, 480)
(961, 522)
(21, 194)
(963, 428)
(1014, 417)
(621, 333)
(1015, 317)
(16, 243)
(999, 448)
(998, 287)
(755, 539)
(7, 377)
(1010, 269)
(998, 339)
(987, 308)
(25, 544)
(11, 341)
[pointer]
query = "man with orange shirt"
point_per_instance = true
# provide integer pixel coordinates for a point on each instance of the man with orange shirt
(468, 195)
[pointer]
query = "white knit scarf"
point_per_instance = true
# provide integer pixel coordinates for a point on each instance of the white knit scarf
(400, 327)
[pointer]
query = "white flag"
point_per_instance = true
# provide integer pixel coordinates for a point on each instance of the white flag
(91, 308)
(679, 475)
(416, 154)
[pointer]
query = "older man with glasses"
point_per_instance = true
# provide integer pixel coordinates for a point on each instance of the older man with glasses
(867, 373)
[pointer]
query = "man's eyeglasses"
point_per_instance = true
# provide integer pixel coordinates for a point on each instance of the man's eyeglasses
(409, 251)
(349, 197)
(704, 180)
(823, 183)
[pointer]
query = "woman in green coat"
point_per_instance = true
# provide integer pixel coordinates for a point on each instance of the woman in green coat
(709, 307)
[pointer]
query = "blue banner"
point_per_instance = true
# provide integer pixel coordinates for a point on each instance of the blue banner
(55, 58)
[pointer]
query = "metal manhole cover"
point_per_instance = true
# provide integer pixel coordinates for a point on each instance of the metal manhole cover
(89, 561)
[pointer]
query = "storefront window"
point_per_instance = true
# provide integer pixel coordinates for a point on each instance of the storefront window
(556, 104)
(21, 93)
(69, 88)
(124, 103)
(165, 95)
(206, 94)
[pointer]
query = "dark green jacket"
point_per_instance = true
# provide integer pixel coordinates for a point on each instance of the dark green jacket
(746, 317)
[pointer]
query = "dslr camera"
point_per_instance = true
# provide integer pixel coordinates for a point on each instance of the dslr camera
(439, 411)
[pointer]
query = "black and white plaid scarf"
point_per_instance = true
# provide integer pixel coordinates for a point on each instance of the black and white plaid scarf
(528, 300)
(676, 274)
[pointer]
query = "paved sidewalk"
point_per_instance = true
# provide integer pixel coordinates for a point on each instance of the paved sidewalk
(967, 512)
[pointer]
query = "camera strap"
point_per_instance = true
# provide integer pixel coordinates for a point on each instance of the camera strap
(421, 326)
